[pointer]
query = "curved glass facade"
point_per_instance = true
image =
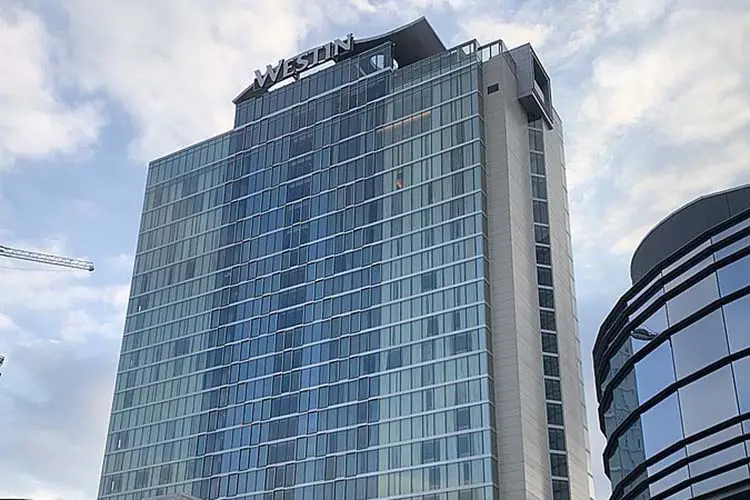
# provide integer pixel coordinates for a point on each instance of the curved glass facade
(672, 365)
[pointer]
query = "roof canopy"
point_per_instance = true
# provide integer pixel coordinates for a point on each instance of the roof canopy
(412, 42)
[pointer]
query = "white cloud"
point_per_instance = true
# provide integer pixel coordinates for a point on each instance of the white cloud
(175, 66)
(72, 297)
(659, 77)
(6, 323)
(622, 15)
(122, 262)
(658, 126)
(79, 324)
(35, 120)
(486, 29)
(687, 180)
(565, 31)
(60, 330)
(51, 433)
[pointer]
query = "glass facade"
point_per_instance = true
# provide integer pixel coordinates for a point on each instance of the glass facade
(672, 365)
(309, 307)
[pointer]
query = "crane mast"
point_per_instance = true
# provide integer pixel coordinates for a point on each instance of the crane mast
(43, 258)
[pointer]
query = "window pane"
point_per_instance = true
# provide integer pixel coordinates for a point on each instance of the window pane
(543, 256)
(737, 318)
(628, 454)
(557, 439)
(551, 366)
(541, 234)
(547, 320)
(734, 276)
(699, 344)
(559, 465)
(742, 382)
(659, 429)
(552, 389)
(649, 328)
(716, 388)
(719, 481)
(544, 275)
(624, 401)
(667, 482)
(623, 354)
(546, 297)
(540, 212)
(549, 342)
(654, 372)
(692, 299)
(554, 413)
(560, 490)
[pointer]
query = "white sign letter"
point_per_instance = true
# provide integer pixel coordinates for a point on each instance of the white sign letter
(262, 79)
(343, 46)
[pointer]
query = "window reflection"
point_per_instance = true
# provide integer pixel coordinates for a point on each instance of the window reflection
(627, 455)
(707, 401)
(734, 247)
(670, 480)
(616, 362)
(699, 344)
(734, 276)
(737, 319)
(704, 403)
(659, 429)
(654, 372)
(686, 258)
(714, 439)
(721, 480)
(692, 299)
(650, 328)
(655, 294)
(624, 402)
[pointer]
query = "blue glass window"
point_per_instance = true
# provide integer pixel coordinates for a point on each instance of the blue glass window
(699, 344)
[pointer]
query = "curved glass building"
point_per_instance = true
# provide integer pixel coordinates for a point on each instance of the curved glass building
(672, 359)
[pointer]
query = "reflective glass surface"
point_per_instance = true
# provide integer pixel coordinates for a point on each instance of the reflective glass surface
(654, 372)
(689, 301)
(699, 344)
(737, 320)
(651, 326)
(658, 424)
(308, 315)
(734, 276)
(716, 387)
(672, 479)
(718, 394)
(714, 482)
(741, 370)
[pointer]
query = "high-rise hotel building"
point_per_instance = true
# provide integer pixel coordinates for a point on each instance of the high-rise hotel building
(363, 290)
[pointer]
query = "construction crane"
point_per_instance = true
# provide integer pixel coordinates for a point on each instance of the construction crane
(43, 258)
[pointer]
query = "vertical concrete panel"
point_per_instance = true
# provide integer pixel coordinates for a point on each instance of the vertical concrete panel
(567, 318)
(519, 381)
(504, 345)
(522, 434)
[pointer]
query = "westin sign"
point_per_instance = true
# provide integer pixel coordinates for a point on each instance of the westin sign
(307, 60)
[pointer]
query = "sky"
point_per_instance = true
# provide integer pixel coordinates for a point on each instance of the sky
(653, 93)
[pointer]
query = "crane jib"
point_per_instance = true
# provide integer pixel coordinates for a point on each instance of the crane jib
(45, 258)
